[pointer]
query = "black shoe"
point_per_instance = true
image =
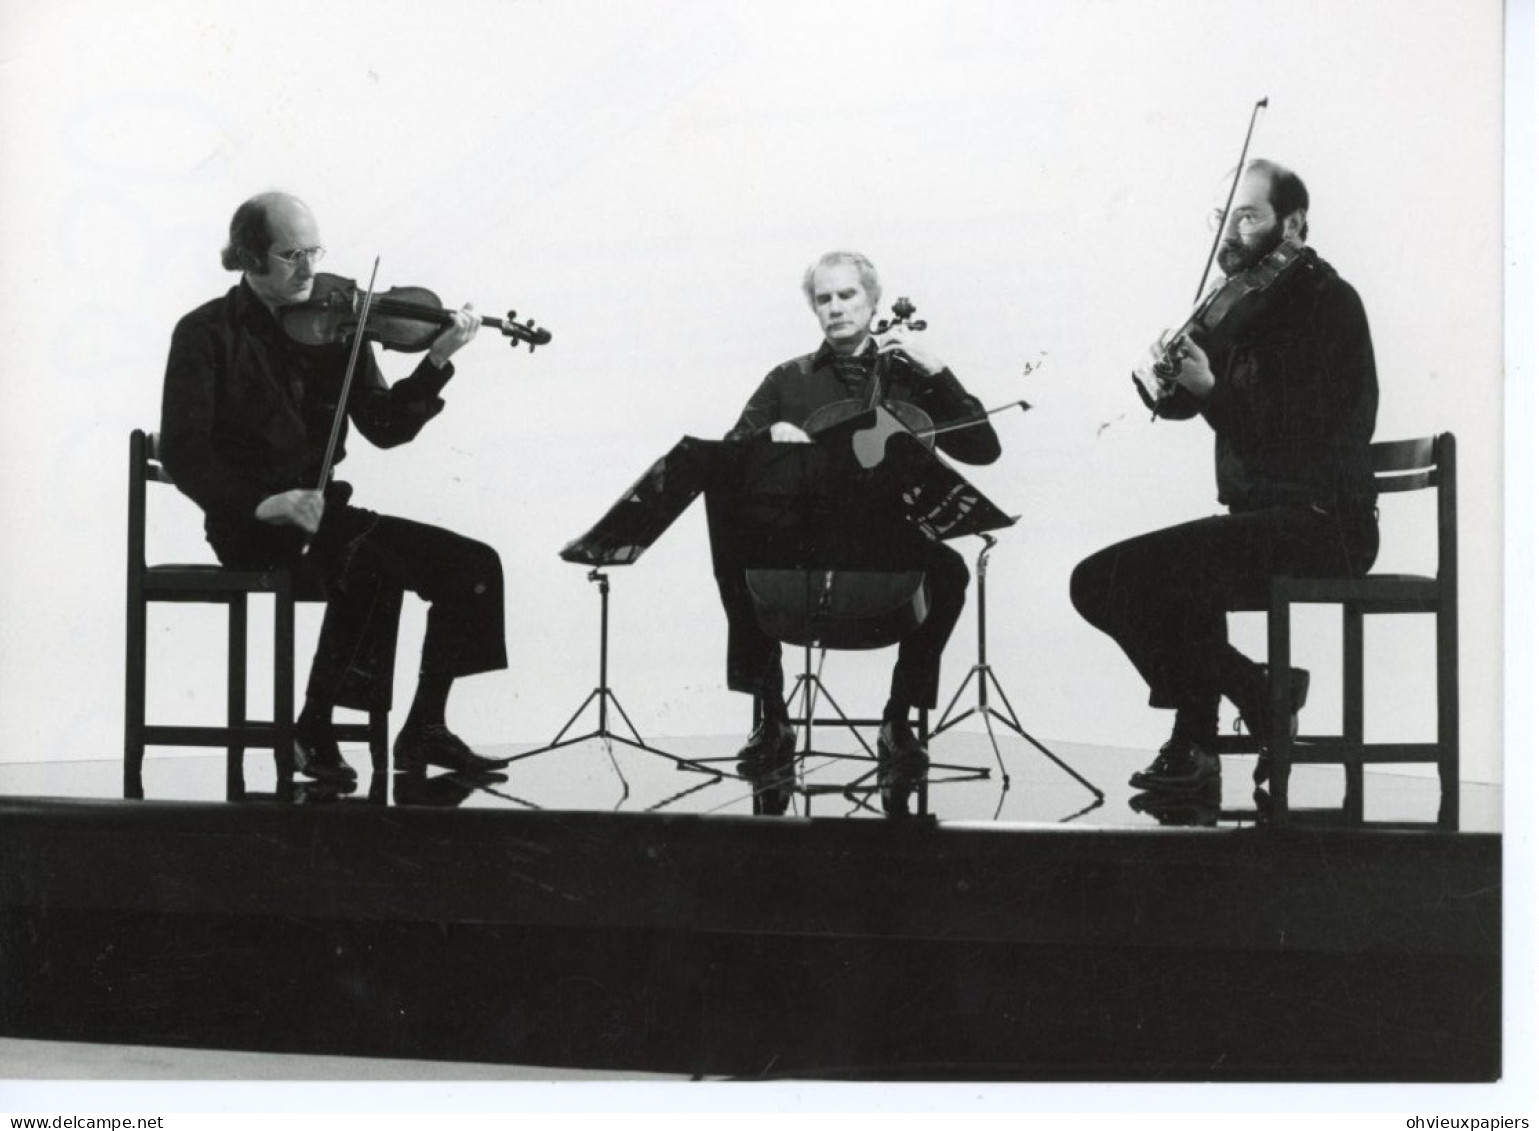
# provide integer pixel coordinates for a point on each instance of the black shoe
(898, 751)
(433, 744)
(316, 756)
(770, 750)
(901, 764)
(1182, 766)
(1253, 714)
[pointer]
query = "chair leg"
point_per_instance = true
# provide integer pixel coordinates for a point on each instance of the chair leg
(1352, 710)
(133, 700)
(1280, 741)
(283, 686)
(1448, 714)
(235, 709)
(379, 741)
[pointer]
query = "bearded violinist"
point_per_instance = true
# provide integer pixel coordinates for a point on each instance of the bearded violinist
(844, 291)
(246, 416)
(1290, 392)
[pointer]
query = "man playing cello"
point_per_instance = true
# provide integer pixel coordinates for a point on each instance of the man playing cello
(843, 290)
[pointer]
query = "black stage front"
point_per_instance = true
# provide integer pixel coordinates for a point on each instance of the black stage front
(622, 913)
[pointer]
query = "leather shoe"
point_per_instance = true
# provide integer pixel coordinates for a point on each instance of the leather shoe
(770, 749)
(1182, 765)
(898, 750)
(434, 744)
(317, 757)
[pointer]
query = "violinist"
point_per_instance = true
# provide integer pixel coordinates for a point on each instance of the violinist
(1287, 384)
(246, 416)
(844, 291)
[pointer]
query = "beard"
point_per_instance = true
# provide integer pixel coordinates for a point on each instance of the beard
(1241, 253)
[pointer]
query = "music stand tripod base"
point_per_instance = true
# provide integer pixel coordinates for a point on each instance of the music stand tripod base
(984, 673)
(605, 697)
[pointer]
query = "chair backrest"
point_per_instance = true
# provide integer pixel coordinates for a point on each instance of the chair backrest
(144, 467)
(1414, 465)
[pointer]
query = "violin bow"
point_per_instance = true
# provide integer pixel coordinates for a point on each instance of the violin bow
(1234, 185)
(977, 420)
(347, 386)
(1218, 232)
(347, 379)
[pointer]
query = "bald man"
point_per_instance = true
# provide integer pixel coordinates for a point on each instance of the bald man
(246, 416)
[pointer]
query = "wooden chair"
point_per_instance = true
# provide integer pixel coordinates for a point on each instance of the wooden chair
(1401, 465)
(215, 585)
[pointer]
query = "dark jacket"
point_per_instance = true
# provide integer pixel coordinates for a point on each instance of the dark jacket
(1296, 396)
(246, 412)
(794, 390)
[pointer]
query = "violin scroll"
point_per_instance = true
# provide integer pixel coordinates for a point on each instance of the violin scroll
(521, 332)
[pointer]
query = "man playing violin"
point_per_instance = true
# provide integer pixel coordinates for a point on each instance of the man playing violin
(1288, 385)
(843, 290)
(246, 417)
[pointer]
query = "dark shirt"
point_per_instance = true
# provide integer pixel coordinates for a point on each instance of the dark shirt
(247, 412)
(794, 390)
(1295, 397)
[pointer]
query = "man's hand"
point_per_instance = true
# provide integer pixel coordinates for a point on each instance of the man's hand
(1172, 362)
(898, 340)
(456, 334)
(784, 433)
(1195, 375)
(298, 507)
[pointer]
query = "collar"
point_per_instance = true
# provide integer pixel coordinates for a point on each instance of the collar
(826, 355)
(253, 311)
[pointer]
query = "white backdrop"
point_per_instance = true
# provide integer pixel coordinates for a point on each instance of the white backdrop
(648, 180)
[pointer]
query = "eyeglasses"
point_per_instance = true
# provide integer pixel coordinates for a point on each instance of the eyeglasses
(299, 254)
(1243, 219)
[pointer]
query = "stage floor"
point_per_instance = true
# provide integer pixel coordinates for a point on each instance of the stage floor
(606, 910)
(616, 777)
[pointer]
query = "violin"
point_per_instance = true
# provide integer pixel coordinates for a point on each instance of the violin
(403, 318)
(1221, 314)
(407, 319)
(1218, 315)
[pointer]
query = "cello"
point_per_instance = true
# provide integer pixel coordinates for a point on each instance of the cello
(848, 608)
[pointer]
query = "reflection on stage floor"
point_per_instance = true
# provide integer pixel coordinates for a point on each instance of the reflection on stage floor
(838, 780)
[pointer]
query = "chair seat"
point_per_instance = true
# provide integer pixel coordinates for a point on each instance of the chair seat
(1400, 591)
(184, 580)
(189, 581)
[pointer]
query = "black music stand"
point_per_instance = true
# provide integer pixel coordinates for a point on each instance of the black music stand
(842, 504)
(984, 673)
(636, 520)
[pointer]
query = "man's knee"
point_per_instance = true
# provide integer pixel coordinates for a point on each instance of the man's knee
(948, 572)
(1090, 585)
(485, 568)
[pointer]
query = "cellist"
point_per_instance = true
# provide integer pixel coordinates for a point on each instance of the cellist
(245, 417)
(844, 291)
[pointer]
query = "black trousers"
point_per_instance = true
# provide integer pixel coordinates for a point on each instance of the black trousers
(754, 657)
(362, 563)
(1162, 596)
